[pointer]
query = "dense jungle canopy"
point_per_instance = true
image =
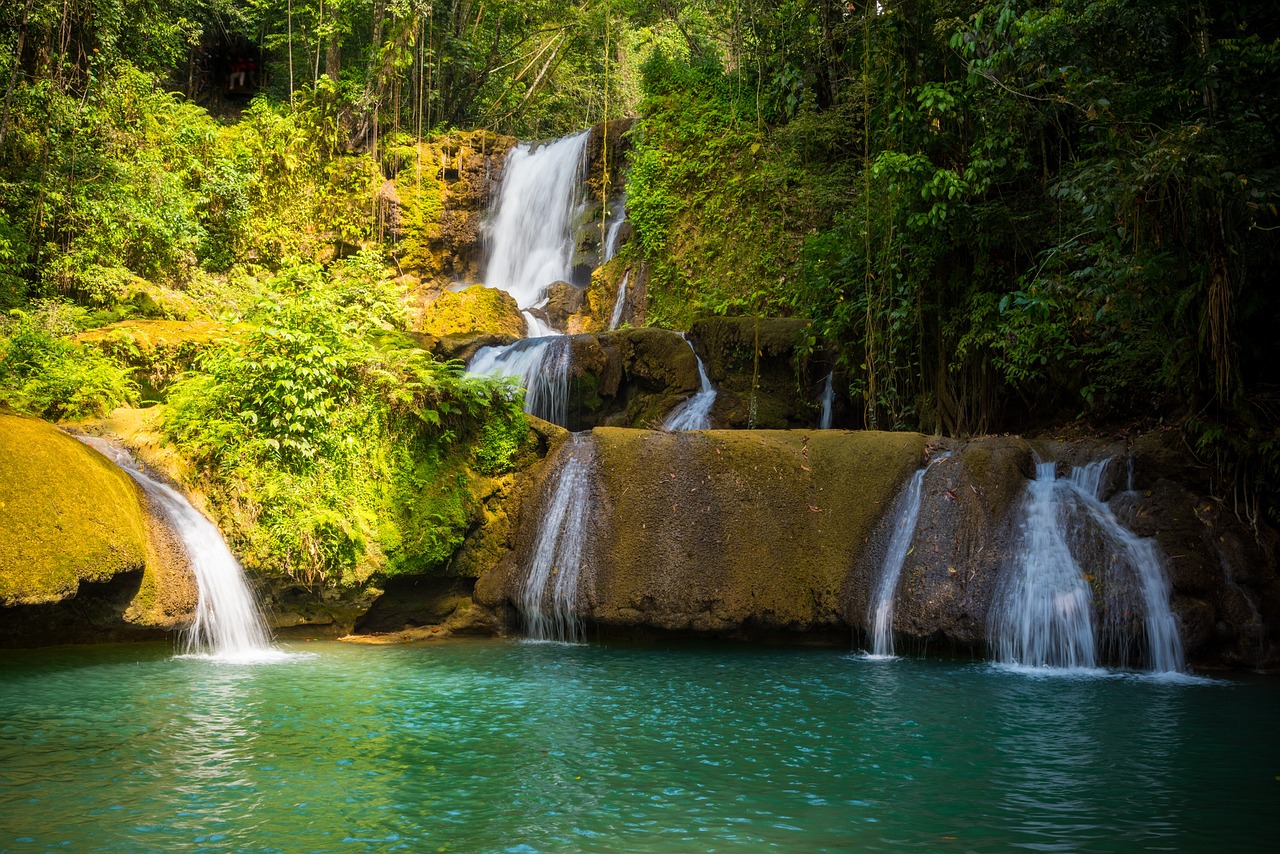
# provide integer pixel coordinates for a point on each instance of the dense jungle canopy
(997, 216)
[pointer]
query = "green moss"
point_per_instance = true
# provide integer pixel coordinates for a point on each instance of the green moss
(67, 515)
(476, 309)
(501, 444)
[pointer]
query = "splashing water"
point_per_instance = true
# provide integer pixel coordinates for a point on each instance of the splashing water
(549, 595)
(907, 510)
(1141, 557)
(531, 227)
(694, 413)
(541, 365)
(1043, 614)
(228, 625)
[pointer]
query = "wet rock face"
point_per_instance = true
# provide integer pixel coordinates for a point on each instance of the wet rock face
(754, 365)
(965, 538)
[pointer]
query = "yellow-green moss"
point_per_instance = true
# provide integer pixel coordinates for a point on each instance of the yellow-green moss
(476, 309)
(67, 515)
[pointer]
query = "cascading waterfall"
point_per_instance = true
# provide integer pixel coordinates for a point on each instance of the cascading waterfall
(828, 402)
(228, 625)
(880, 612)
(548, 598)
(1043, 614)
(531, 228)
(541, 365)
(531, 248)
(619, 302)
(694, 413)
(611, 234)
(1141, 558)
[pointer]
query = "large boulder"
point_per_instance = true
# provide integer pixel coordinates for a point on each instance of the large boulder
(475, 310)
(756, 367)
(81, 555)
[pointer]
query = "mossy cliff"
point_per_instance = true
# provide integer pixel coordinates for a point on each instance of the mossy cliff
(728, 532)
(81, 556)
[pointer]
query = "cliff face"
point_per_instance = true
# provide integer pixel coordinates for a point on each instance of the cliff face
(81, 554)
(782, 534)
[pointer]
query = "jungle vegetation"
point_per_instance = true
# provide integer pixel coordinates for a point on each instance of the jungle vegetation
(998, 216)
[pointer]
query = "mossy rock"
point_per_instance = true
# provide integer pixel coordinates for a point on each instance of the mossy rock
(82, 556)
(475, 310)
(754, 364)
(158, 350)
(730, 531)
(67, 515)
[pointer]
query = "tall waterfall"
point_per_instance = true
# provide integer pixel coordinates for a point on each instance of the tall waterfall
(549, 595)
(828, 402)
(880, 611)
(541, 365)
(1140, 559)
(619, 302)
(1042, 615)
(531, 227)
(694, 413)
(228, 625)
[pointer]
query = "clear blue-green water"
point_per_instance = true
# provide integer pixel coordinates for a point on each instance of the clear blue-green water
(503, 746)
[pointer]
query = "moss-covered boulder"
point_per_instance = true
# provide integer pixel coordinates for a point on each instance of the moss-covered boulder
(476, 309)
(81, 556)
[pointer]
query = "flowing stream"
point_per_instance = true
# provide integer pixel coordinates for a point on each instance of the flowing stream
(828, 402)
(611, 234)
(1043, 611)
(548, 599)
(907, 511)
(542, 367)
(694, 413)
(1141, 559)
(619, 302)
(228, 625)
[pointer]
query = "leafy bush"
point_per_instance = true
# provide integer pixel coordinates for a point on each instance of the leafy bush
(45, 374)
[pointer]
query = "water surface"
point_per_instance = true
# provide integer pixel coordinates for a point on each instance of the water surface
(507, 746)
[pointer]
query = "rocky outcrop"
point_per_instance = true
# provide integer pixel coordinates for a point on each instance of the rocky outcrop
(158, 351)
(476, 309)
(772, 534)
(81, 555)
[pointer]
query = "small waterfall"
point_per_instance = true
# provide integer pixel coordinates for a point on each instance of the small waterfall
(1141, 558)
(1043, 614)
(828, 401)
(549, 595)
(541, 365)
(694, 413)
(619, 301)
(228, 625)
(907, 509)
(611, 234)
(531, 227)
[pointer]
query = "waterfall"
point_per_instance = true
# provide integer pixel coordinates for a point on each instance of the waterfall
(548, 598)
(531, 227)
(1141, 558)
(619, 301)
(1042, 614)
(541, 365)
(611, 235)
(828, 400)
(694, 413)
(228, 625)
(907, 510)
